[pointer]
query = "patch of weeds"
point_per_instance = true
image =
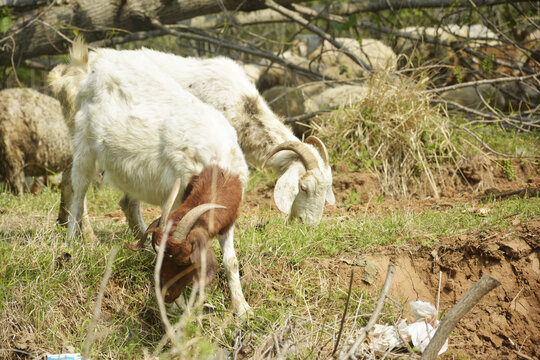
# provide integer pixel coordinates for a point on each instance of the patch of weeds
(508, 169)
(353, 198)
(395, 131)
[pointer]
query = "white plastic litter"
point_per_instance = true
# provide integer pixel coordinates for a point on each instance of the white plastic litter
(75, 356)
(419, 333)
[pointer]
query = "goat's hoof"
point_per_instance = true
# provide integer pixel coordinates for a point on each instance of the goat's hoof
(243, 311)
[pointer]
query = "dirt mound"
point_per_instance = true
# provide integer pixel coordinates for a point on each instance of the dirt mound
(507, 320)
(504, 323)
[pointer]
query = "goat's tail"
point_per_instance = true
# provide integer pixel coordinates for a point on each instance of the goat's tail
(78, 54)
(65, 80)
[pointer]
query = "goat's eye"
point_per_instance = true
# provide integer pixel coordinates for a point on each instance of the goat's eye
(303, 187)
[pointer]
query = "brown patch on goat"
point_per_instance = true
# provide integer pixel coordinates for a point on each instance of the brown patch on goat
(251, 125)
(181, 263)
(251, 106)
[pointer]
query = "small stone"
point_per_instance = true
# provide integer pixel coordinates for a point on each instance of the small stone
(370, 273)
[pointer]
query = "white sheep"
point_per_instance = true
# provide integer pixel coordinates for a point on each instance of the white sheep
(145, 132)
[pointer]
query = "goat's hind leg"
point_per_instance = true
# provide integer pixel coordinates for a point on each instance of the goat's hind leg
(132, 210)
(82, 173)
(66, 200)
(230, 262)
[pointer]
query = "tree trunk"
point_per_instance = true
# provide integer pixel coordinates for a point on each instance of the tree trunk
(41, 27)
(39, 31)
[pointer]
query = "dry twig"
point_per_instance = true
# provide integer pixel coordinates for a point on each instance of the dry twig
(344, 313)
(471, 298)
(97, 308)
(374, 316)
(299, 19)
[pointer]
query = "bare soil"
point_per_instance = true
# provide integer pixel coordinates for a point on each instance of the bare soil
(506, 322)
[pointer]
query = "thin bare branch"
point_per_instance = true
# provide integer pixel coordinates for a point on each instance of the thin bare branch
(303, 117)
(481, 82)
(495, 151)
(513, 120)
(375, 315)
(299, 19)
(344, 313)
(232, 46)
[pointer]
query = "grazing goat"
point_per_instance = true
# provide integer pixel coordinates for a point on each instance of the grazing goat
(193, 225)
(305, 175)
(147, 133)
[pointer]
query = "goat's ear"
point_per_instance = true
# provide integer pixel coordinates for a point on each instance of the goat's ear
(286, 189)
(330, 199)
(195, 256)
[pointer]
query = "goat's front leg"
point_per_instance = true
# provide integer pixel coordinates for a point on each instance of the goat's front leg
(132, 211)
(230, 262)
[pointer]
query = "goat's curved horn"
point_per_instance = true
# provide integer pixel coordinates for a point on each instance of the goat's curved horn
(168, 205)
(140, 244)
(320, 145)
(308, 159)
(184, 226)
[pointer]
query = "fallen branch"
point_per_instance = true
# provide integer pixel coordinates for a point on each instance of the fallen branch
(232, 46)
(375, 315)
(500, 195)
(454, 45)
(471, 298)
(300, 118)
(480, 82)
(511, 119)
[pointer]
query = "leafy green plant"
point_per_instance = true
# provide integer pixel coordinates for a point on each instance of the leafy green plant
(508, 169)
(5, 20)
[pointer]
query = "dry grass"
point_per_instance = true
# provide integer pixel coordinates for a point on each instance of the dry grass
(393, 131)
(295, 278)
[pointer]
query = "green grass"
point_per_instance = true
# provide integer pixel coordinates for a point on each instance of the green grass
(507, 141)
(48, 286)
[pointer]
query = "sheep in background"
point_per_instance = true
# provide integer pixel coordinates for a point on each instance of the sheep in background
(342, 95)
(34, 140)
(148, 136)
(338, 65)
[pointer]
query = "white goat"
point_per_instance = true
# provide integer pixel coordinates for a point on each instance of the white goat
(145, 132)
(306, 177)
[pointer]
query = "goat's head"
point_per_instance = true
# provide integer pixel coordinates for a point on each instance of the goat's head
(184, 248)
(302, 191)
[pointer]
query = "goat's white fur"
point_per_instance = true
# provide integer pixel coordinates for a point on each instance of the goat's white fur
(223, 84)
(145, 131)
